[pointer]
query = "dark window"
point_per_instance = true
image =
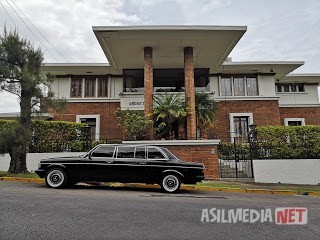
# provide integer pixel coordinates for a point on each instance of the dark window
(154, 153)
(103, 87)
(125, 152)
(90, 87)
(287, 87)
(241, 129)
(294, 123)
(103, 151)
(76, 87)
(141, 152)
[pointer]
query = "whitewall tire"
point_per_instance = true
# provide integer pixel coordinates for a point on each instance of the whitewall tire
(170, 183)
(56, 178)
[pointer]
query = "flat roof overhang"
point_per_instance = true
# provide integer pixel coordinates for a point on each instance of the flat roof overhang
(78, 68)
(302, 77)
(277, 68)
(123, 46)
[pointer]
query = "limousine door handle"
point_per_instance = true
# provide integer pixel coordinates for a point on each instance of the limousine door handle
(109, 161)
(142, 163)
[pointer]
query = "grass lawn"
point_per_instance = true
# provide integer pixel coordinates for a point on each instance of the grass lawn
(24, 175)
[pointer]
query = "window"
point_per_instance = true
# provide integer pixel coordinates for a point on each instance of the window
(238, 83)
(103, 87)
(238, 86)
(226, 89)
(294, 122)
(90, 87)
(154, 153)
(141, 152)
(125, 152)
(104, 151)
(76, 87)
(290, 87)
(239, 126)
(252, 86)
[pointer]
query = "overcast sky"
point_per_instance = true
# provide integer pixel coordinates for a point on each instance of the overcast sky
(277, 29)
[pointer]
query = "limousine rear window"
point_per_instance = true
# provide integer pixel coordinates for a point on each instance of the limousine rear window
(154, 153)
(103, 151)
(141, 152)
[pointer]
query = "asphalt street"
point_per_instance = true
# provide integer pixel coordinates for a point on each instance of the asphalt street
(33, 211)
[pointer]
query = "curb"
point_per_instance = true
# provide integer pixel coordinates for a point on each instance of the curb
(189, 188)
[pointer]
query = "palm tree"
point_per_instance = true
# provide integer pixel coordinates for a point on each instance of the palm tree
(169, 107)
(206, 110)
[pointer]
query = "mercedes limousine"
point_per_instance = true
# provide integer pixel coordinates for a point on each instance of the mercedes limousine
(122, 163)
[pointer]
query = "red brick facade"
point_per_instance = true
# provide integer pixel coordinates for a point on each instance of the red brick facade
(264, 113)
(310, 114)
(108, 121)
(202, 154)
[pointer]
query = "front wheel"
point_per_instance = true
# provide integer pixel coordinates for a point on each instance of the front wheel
(56, 178)
(170, 183)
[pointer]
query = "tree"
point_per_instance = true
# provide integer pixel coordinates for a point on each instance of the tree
(169, 107)
(20, 74)
(206, 110)
(133, 123)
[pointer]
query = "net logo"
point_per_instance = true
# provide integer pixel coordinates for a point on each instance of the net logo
(291, 216)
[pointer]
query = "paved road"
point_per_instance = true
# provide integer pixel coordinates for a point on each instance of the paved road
(32, 211)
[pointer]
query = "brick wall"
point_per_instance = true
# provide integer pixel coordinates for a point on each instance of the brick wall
(310, 114)
(108, 121)
(264, 113)
(200, 154)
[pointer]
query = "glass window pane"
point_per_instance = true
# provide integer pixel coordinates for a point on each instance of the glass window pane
(125, 152)
(226, 87)
(279, 88)
(300, 87)
(104, 151)
(238, 84)
(252, 87)
(154, 153)
(286, 88)
(102, 87)
(141, 152)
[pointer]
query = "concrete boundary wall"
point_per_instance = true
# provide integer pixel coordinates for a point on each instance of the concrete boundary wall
(34, 158)
(293, 171)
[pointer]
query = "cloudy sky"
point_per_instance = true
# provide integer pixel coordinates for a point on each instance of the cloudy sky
(277, 29)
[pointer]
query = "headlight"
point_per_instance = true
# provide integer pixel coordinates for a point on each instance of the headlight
(39, 165)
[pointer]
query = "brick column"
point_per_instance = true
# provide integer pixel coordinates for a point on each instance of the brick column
(190, 93)
(148, 86)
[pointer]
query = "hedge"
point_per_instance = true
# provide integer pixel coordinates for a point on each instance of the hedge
(277, 142)
(54, 136)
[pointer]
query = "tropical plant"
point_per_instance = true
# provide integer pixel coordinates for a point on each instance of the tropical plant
(169, 108)
(134, 124)
(206, 110)
(20, 74)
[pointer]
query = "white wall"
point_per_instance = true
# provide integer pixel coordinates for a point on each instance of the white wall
(293, 171)
(310, 96)
(34, 158)
(266, 86)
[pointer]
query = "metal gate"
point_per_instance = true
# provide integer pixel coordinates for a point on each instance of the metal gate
(235, 159)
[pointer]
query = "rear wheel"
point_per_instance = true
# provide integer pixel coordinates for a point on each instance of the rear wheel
(56, 178)
(170, 183)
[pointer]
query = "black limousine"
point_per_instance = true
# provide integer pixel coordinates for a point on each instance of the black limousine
(122, 163)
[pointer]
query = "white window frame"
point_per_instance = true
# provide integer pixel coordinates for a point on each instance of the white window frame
(287, 120)
(231, 120)
(245, 87)
(97, 117)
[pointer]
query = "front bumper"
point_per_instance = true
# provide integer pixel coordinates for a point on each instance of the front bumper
(41, 173)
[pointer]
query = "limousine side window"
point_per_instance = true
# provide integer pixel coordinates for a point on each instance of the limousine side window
(103, 151)
(141, 152)
(154, 153)
(125, 152)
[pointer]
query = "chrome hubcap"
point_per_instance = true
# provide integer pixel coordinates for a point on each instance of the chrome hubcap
(170, 183)
(55, 178)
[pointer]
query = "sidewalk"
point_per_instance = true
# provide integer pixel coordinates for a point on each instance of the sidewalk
(215, 186)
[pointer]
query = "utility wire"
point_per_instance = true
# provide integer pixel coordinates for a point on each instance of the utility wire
(40, 32)
(32, 31)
